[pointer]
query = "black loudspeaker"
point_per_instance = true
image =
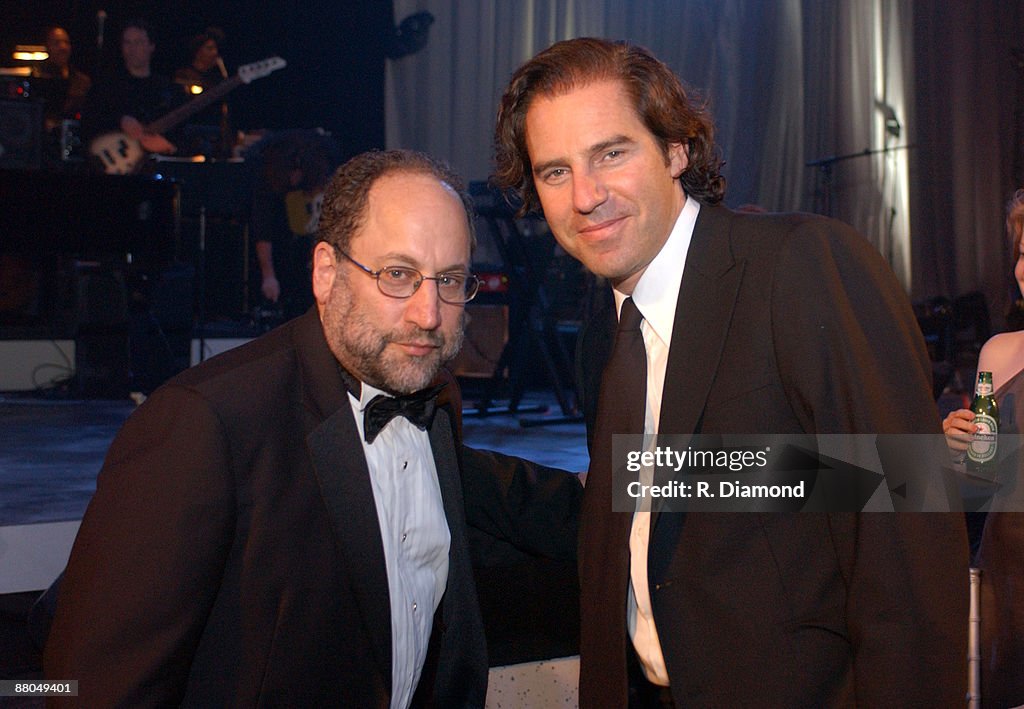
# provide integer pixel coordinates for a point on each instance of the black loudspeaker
(21, 128)
(102, 355)
(102, 298)
(222, 268)
(19, 290)
(102, 365)
(160, 314)
(486, 337)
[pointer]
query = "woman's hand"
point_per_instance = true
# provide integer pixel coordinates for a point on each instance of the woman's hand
(959, 429)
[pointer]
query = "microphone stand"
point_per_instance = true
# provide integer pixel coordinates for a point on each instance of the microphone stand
(826, 164)
(201, 305)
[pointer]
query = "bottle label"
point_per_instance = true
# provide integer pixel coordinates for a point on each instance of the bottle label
(983, 445)
(983, 388)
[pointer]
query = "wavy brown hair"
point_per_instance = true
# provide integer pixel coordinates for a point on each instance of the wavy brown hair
(1015, 221)
(658, 96)
(344, 207)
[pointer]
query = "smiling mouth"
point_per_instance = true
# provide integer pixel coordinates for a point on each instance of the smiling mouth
(601, 229)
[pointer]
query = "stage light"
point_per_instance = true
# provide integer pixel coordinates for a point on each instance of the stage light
(30, 53)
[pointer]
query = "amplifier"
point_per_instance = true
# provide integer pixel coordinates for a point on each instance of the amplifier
(21, 128)
(486, 337)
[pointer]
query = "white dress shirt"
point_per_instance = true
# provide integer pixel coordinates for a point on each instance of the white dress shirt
(655, 296)
(416, 539)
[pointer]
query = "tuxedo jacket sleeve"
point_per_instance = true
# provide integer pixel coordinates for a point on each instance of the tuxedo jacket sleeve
(231, 555)
(530, 507)
(790, 324)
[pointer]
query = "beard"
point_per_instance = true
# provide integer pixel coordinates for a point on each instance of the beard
(360, 341)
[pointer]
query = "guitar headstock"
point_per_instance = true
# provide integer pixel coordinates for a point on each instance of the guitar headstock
(257, 70)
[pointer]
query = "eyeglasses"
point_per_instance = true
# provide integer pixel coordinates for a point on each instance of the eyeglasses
(402, 282)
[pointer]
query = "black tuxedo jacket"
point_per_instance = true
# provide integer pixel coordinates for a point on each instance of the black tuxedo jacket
(784, 324)
(232, 556)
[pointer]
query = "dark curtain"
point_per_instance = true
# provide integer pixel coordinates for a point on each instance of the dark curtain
(970, 85)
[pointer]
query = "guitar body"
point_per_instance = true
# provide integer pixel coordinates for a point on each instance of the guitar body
(118, 153)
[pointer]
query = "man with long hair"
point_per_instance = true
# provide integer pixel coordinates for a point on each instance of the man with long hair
(750, 324)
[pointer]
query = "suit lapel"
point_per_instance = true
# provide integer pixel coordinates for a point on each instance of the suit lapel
(461, 652)
(446, 461)
(707, 296)
(344, 480)
(443, 447)
(340, 467)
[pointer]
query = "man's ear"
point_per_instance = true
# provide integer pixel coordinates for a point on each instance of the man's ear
(325, 270)
(678, 158)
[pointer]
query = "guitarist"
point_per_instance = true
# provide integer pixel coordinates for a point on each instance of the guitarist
(209, 131)
(133, 95)
(292, 169)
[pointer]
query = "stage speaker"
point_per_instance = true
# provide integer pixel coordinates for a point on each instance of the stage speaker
(486, 336)
(102, 298)
(19, 290)
(161, 317)
(102, 354)
(21, 127)
(221, 262)
(102, 365)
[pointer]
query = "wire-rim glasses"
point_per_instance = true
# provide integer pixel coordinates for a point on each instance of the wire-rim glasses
(403, 282)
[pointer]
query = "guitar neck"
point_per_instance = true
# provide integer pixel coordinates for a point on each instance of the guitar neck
(211, 95)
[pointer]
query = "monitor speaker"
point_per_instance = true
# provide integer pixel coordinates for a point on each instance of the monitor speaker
(486, 337)
(102, 354)
(21, 127)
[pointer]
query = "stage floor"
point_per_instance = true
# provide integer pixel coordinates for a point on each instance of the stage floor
(52, 449)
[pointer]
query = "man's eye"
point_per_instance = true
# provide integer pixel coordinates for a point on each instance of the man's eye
(399, 274)
(450, 280)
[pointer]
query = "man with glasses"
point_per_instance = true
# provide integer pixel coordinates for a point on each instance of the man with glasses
(284, 524)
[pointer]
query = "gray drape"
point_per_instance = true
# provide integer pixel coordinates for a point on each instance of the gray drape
(789, 82)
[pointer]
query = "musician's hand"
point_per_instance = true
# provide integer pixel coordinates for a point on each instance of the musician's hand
(271, 289)
(132, 128)
(151, 142)
(958, 429)
(156, 143)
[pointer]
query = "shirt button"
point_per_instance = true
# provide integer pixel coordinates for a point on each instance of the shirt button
(414, 606)
(404, 537)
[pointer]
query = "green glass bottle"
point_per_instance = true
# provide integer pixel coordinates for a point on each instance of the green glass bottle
(981, 454)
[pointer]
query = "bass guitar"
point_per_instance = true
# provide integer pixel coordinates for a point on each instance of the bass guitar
(120, 154)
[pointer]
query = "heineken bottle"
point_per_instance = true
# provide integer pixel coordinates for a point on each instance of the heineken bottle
(981, 454)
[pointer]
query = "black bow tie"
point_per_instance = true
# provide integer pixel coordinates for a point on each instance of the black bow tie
(418, 407)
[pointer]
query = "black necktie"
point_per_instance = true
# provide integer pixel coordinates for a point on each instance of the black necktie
(418, 407)
(623, 399)
(604, 533)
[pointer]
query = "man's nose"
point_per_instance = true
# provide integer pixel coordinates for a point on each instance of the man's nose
(588, 191)
(423, 308)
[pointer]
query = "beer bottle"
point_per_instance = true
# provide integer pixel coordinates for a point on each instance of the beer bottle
(981, 454)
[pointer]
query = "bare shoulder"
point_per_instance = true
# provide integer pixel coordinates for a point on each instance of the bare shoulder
(1003, 355)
